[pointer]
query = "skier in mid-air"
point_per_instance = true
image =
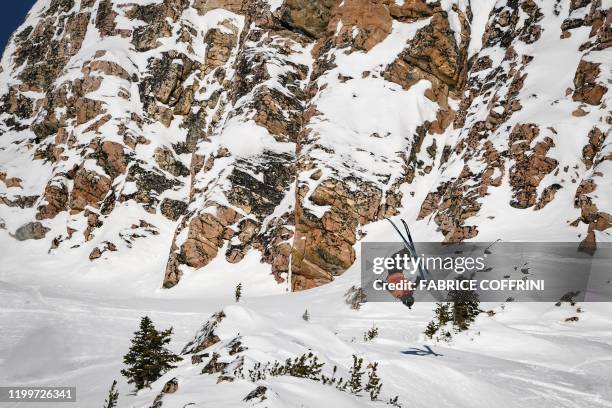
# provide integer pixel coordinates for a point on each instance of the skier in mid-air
(396, 276)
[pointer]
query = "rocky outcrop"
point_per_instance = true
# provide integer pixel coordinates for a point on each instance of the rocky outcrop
(308, 17)
(166, 90)
(167, 161)
(492, 146)
(587, 89)
(253, 183)
(150, 183)
(89, 190)
(323, 247)
(282, 129)
(32, 230)
(591, 151)
(219, 46)
(111, 157)
(173, 209)
(258, 393)
(435, 50)
(530, 166)
(98, 251)
(43, 50)
(206, 235)
(171, 386)
(56, 200)
(363, 24)
(206, 336)
(156, 16)
(590, 214)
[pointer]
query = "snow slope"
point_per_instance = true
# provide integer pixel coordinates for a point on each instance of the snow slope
(56, 333)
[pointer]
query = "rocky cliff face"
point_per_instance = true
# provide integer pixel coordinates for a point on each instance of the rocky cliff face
(277, 129)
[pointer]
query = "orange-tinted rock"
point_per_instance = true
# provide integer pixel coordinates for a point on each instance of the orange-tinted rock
(89, 189)
(10, 182)
(548, 194)
(95, 127)
(171, 386)
(219, 47)
(93, 222)
(587, 89)
(309, 16)
(205, 236)
(593, 147)
(111, 157)
(364, 23)
(435, 51)
(323, 248)
(95, 254)
(204, 6)
(87, 109)
(531, 165)
(411, 9)
(105, 67)
(56, 197)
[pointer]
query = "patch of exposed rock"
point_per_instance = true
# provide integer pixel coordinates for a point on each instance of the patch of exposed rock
(32, 230)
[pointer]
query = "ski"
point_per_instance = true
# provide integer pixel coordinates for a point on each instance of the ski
(409, 244)
(414, 248)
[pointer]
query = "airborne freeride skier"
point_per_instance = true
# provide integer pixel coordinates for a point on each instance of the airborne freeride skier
(397, 275)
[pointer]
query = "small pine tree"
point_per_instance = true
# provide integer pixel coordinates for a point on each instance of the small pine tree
(330, 380)
(431, 329)
(113, 396)
(394, 402)
(442, 316)
(305, 366)
(443, 313)
(342, 384)
(354, 382)
(371, 334)
(373, 385)
(465, 306)
(306, 316)
(148, 359)
(238, 292)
